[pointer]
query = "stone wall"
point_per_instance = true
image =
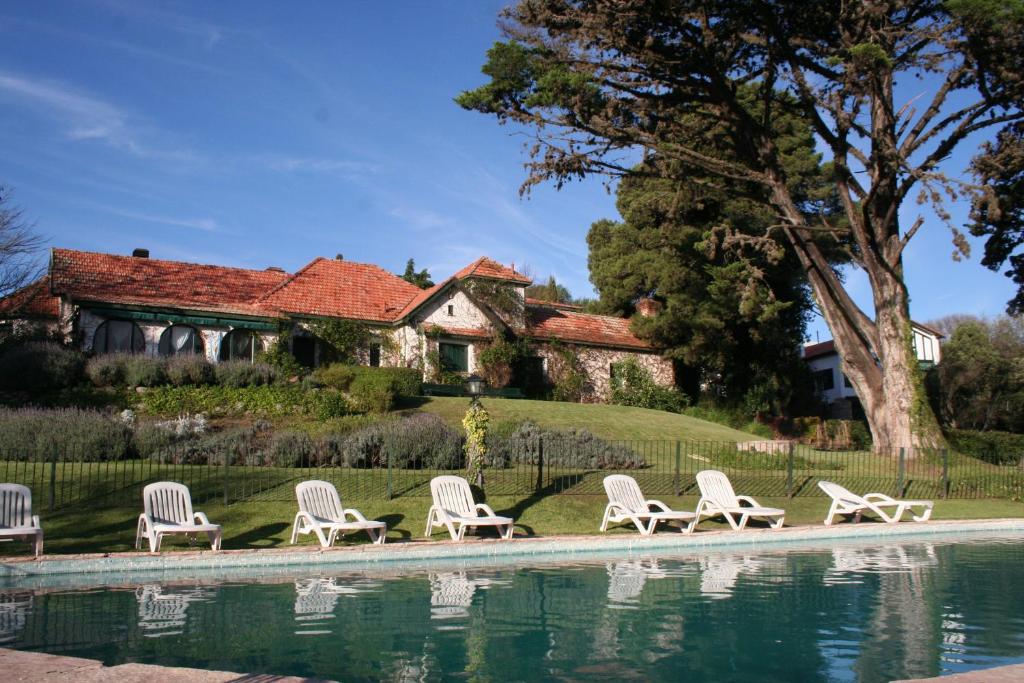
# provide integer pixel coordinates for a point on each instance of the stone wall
(596, 364)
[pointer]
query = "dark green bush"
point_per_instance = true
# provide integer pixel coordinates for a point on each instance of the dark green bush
(240, 373)
(144, 371)
(38, 434)
(329, 403)
(217, 400)
(108, 370)
(403, 381)
(40, 366)
(336, 375)
(998, 448)
(189, 370)
(373, 393)
(633, 385)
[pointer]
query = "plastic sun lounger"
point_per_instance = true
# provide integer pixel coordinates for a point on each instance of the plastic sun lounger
(718, 498)
(845, 502)
(626, 502)
(168, 510)
(16, 518)
(321, 512)
(455, 509)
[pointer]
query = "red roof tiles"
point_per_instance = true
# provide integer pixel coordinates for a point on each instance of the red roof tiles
(31, 301)
(822, 349)
(107, 278)
(491, 269)
(342, 289)
(584, 328)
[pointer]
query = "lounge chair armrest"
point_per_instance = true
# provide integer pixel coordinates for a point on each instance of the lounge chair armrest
(657, 504)
(201, 518)
(879, 498)
(749, 501)
(486, 509)
(356, 514)
(35, 521)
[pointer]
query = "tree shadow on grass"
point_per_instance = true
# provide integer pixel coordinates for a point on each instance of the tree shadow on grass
(265, 536)
(393, 521)
(553, 488)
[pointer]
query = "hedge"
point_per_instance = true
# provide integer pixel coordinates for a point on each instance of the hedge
(998, 448)
(40, 434)
(40, 366)
(403, 381)
(268, 400)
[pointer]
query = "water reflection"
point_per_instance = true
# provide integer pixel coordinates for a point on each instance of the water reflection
(451, 593)
(163, 610)
(316, 599)
(626, 580)
(14, 611)
(849, 563)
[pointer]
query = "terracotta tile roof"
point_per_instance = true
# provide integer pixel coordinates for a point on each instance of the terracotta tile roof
(489, 268)
(822, 349)
(530, 301)
(465, 332)
(108, 278)
(31, 301)
(422, 297)
(342, 289)
(584, 328)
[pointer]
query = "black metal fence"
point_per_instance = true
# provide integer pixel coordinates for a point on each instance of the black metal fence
(535, 467)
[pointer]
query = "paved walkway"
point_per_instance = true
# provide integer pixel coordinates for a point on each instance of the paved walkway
(37, 667)
(1000, 674)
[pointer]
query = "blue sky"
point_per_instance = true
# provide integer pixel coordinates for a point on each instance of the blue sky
(267, 133)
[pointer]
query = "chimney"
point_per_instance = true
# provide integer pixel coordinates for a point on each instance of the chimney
(275, 269)
(140, 253)
(648, 307)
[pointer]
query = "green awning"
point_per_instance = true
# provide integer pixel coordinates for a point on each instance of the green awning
(159, 316)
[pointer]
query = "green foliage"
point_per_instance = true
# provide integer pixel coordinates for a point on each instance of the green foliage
(523, 443)
(550, 291)
(998, 448)
(37, 434)
(222, 400)
(498, 359)
(419, 278)
(343, 338)
(188, 369)
(336, 375)
(979, 384)
(373, 393)
(404, 381)
(475, 424)
(417, 441)
(633, 385)
(38, 367)
(144, 371)
(107, 370)
(242, 373)
(566, 374)
(279, 356)
(730, 416)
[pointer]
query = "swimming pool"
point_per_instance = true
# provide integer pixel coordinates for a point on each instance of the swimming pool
(851, 611)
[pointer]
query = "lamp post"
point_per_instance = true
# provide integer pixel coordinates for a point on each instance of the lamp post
(475, 388)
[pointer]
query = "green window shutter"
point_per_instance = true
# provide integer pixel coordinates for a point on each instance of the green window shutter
(454, 357)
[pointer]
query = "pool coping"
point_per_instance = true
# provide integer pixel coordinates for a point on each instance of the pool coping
(483, 548)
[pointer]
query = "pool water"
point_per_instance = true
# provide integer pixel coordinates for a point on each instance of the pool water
(844, 613)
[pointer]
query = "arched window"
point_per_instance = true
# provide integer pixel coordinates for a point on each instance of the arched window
(118, 336)
(180, 339)
(240, 344)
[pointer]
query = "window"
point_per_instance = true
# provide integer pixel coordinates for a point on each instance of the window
(451, 310)
(240, 344)
(846, 382)
(118, 336)
(454, 357)
(304, 350)
(180, 339)
(824, 379)
(375, 355)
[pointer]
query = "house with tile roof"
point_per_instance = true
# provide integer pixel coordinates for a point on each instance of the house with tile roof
(115, 303)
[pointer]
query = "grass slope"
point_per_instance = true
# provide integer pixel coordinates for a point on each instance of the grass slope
(606, 421)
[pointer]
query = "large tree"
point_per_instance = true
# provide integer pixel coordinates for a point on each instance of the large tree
(19, 247)
(597, 80)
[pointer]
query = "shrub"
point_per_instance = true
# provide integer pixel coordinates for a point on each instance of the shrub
(40, 366)
(240, 373)
(336, 375)
(290, 449)
(329, 403)
(373, 393)
(999, 448)
(730, 416)
(151, 439)
(216, 400)
(188, 370)
(108, 370)
(38, 434)
(571, 448)
(144, 371)
(421, 440)
(403, 381)
(633, 385)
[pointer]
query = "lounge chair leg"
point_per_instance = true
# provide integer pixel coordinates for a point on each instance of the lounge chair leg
(604, 522)
(430, 523)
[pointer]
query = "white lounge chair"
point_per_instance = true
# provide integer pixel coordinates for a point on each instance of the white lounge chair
(626, 502)
(320, 512)
(718, 498)
(168, 510)
(845, 502)
(455, 509)
(16, 518)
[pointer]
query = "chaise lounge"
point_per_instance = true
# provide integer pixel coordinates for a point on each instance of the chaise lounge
(455, 509)
(718, 498)
(846, 502)
(168, 510)
(626, 502)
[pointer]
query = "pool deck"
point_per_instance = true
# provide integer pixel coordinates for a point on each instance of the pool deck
(37, 667)
(312, 556)
(1000, 674)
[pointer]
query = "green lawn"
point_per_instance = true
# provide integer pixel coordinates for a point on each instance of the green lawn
(268, 525)
(606, 421)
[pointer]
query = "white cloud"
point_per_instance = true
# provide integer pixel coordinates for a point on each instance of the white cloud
(419, 219)
(203, 224)
(287, 164)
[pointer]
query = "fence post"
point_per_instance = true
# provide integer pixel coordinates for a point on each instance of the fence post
(227, 459)
(53, 481)
(901, 463)
(676, 483)
(540, 464)
(789, 471)
(390, 492)
(945, 473)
